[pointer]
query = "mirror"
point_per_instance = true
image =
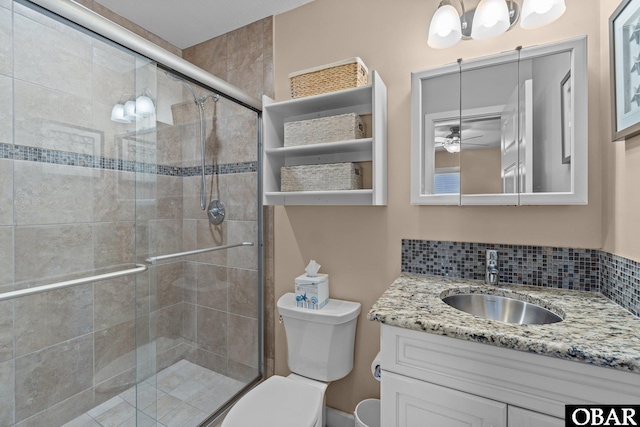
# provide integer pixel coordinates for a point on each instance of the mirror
(507, 129)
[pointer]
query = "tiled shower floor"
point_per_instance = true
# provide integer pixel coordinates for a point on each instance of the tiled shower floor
(186, 395)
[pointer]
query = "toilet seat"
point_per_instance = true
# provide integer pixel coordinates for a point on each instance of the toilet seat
(277, 402)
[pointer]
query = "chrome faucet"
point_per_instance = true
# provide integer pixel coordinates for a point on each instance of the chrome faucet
(492, 273)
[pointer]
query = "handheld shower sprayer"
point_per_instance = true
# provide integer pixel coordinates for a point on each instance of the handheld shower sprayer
(215, 210)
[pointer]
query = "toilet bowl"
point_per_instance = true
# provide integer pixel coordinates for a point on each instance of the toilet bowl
(320, 347)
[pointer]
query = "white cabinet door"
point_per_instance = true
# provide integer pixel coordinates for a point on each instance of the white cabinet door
(407, 402)
(519, 417)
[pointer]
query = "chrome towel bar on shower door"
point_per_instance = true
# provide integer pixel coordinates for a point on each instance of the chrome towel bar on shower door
(139, 268)
(155, 259)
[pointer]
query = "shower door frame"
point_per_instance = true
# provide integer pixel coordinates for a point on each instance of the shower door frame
(166, 60)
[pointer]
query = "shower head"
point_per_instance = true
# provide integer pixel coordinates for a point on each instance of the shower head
(198, 100)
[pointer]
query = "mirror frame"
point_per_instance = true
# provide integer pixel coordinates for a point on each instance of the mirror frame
(421, 168)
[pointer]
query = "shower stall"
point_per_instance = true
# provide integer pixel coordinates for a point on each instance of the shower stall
(122, 301)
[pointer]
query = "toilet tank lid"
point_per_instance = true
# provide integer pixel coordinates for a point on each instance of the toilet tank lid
(334, 313)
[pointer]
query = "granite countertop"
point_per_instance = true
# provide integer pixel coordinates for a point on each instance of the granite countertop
(594, 330)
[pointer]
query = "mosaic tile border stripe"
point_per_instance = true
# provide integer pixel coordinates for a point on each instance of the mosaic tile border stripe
(42, 155)
(620, 281)
(562, 268)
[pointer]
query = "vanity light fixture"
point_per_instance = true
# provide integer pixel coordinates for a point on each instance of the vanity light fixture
(133, 110)
(490, 18)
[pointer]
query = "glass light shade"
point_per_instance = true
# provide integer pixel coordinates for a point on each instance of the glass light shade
(538, 13)
(117, 114)
(453, 147)
(490, 19)
(144, 106)
(445, 30)
(130, 110)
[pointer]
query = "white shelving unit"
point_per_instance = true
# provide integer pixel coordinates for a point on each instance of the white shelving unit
(366, 100)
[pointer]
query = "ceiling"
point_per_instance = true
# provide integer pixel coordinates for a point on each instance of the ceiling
(186, 23)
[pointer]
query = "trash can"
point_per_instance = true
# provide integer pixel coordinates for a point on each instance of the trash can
(367, 413)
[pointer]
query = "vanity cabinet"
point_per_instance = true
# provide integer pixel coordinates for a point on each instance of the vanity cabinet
(431, 380)
(369, 102)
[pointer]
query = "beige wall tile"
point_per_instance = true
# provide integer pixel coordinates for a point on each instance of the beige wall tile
(114, 386)
(189, 237)
(237, 138)
(189, 323)
(6, 332)
(169, 327)
(242, 196)
(170, 140)
(6, 114)
(209, 236)
(6, 393)
(62, 412)
(46, 253)
(49, 318)
(114, 351)
(241, 372)
(210, 55)
(249, 78)
(243, 340)
(244, 256)
(113, 195)
(113, 74)
(6, 26)
(169, 236)
(211, 361)
(243, 292)
(43, 116)
(51, 58)
(6, 259)
(113, 243)
(213, 287)
(52, 194)
(114, 301)
(169, 193)
(190, 282)
(212, 331)
(245, 46)
(170, 283)
(49, 376)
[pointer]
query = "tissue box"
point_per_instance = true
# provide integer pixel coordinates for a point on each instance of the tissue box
(312, 292)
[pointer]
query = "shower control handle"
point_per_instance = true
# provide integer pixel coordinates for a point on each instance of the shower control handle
(216, 212)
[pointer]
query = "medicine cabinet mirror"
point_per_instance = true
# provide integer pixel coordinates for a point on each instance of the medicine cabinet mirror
(509, 129)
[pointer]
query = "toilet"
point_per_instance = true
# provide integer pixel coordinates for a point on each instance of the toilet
(320, 347)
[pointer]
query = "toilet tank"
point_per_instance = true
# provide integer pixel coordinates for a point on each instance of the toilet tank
(320, 343)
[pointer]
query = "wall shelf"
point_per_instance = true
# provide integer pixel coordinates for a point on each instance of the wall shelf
(367, 100)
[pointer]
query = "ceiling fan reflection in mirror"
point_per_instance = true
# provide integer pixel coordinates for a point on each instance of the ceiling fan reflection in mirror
(451, 142)
(483, 130)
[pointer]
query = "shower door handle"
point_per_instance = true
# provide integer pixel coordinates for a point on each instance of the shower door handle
(153, 260)
(139, 268)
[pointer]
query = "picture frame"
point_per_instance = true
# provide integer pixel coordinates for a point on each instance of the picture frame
(624, 48)
(566, 115)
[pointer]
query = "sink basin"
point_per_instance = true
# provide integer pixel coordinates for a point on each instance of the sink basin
(503, 309)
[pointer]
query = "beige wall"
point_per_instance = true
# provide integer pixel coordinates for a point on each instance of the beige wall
(621, 198)
(360, 246)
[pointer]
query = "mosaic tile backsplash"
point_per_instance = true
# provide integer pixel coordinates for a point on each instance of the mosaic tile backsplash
(592, 270)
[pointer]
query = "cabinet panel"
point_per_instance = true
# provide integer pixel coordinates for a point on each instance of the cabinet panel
(407, 402)
(519, 417)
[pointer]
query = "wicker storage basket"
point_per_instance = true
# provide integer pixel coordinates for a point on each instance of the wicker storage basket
(328, 78)
(328, 177)
(326, 129)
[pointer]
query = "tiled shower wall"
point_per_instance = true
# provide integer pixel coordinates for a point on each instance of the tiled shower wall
(592, 270)
(80, 194)
(244, 58)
